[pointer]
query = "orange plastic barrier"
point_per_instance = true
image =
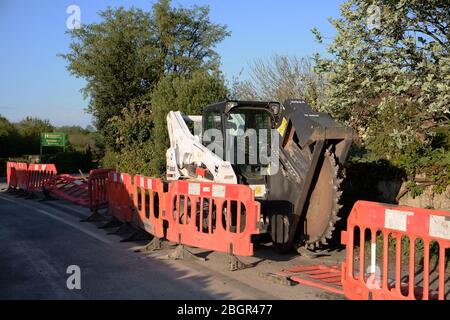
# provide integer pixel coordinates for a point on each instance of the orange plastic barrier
(91, 193)
(120, 195)
(38, 175)
(149, 200)
(11, 173)
(212, 216)
(390, 225)
(9, 165)
(325, 277)
(22, 175)
(97, 188)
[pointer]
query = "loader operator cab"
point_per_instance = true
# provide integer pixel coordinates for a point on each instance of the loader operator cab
(240, 132)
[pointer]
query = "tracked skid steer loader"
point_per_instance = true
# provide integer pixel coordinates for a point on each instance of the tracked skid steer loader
(287, 153)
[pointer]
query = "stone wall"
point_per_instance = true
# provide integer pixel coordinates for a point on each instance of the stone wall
(428, 200)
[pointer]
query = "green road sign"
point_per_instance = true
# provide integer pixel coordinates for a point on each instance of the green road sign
(53, 139)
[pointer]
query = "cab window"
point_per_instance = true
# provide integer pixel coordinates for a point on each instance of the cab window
(212, 132)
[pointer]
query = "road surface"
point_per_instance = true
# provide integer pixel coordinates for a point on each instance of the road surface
(41, 239)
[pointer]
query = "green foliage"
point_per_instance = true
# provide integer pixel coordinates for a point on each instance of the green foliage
(9, 137)
(405, 59)
(81, 139)
(391, 83)
(30, 130)
(132, 126)
(140, 65)
(22, 138)
(123, 57)
(141, 137)
(3, 167)
(109, 160)
(70, 162)
(131, 131)
(176, 93)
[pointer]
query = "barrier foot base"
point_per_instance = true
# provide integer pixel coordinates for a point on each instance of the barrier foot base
(154, 245)
(124, 228)
(11, 191)
(181, 253)
(138, 235)
(307, 253)
(30, 196)
(113, 223)
(236, 264)
(48, 197)
(94, 217)
(20, 193)
(275, 278)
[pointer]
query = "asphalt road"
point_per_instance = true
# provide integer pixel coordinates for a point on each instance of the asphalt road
(40, 240)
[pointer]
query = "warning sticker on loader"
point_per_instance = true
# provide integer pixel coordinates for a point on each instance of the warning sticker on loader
(282, 128)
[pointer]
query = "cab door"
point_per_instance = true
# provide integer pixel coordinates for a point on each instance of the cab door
(212, 136)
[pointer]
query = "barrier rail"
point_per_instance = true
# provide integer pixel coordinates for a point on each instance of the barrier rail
(389, 226)
(97, 188)
(11, 173)
(120, 195)
(212, 216)
(149, 201)
(9, 165)
(38, 175)
(22, 175)
(91, 193)
(70, 188)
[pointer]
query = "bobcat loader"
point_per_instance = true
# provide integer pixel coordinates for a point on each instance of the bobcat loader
(293, 169)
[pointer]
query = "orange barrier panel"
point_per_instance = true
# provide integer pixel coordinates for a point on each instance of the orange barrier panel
(70, 188)
(91, 193)
(388, 225)
(212, 216)
(11, 173)
(325, 277)
(9, 165)
(97, 188)
(22, 175)
(38, 175)
(149, 200)
(120, 196)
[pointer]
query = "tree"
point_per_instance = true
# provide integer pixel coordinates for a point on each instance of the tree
(389, 77)
(141, 137)
(117, 59)
(123, 57)
(30, 130)
(188, 95)
(403, 60)
(279, 78)
(136, 64)
(9, 139)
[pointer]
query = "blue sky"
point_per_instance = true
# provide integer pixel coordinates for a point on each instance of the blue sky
(34, 81)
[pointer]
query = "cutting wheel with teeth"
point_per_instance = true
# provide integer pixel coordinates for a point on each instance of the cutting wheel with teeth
(323, 206)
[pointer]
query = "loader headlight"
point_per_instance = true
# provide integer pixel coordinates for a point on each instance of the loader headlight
(231, 104)
(275, 108)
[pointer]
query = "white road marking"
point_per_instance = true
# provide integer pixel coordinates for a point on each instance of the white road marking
(60, 219)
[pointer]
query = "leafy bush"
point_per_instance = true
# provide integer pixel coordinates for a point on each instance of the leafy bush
(139, 135)
(391, 85)
(3, 167)
(70, 162)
